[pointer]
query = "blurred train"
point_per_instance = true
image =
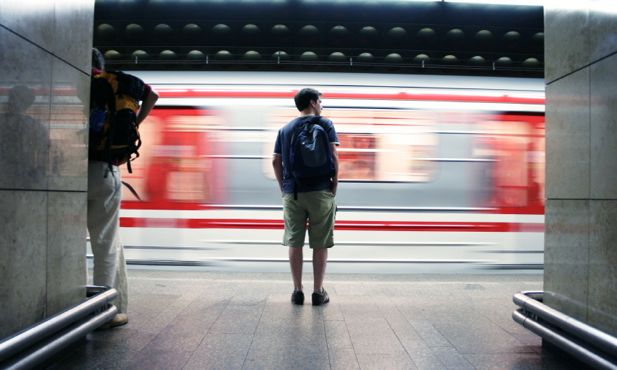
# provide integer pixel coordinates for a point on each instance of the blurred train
(438, 173)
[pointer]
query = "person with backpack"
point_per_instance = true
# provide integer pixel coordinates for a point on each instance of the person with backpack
(25, 140)
(115, 115)
(305, 164)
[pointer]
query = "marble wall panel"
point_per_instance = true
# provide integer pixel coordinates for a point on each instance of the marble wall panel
(74, 21)
(566, 42)
(604, 129)
(602, 28)
(567, 137)
(603, 266)
(580, 276)
(44, 63)
(32, 19)
(566, 257)
(24, 114)
(66, 250)
(23, 244)
(68, 164)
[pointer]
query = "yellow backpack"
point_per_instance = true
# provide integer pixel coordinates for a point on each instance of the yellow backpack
(114, 103)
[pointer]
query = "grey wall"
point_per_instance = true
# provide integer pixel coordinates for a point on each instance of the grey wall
(580, 277)
(44, 70)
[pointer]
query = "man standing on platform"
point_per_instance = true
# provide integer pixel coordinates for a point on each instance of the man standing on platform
(104, 196)
(306, 167)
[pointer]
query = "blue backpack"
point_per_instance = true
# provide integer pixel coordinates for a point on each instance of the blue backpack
(310, 156)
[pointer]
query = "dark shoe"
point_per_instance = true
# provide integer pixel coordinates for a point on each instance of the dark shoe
(297, 297)
(320, 298)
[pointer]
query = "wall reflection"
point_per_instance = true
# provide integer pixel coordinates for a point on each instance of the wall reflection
(24, 140)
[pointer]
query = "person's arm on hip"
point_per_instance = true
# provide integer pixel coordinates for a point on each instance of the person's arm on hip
(147, 105)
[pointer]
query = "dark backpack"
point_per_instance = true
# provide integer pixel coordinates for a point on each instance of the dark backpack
(114, 102)
(310, 155)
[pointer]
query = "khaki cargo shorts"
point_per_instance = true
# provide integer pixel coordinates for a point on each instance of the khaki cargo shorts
(318, 208)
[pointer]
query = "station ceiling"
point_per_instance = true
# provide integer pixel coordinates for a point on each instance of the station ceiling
(378, 36)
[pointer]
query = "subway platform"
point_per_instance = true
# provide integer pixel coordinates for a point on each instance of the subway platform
(205, 320)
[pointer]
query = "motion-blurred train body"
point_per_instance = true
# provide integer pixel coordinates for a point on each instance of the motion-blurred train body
(438, 173)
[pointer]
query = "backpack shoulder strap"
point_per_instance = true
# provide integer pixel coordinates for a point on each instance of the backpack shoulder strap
(132, 189)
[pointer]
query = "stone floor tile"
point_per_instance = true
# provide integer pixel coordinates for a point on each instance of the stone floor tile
(452, 359)
(92, 354)
(314, 341)
(479, 336)
(406, 334)
(238, 319)
(287, 318)
(124, 336)
(156, 359)
(170, 339)
(429, 334)
(286, 357)
(360, 307)
(337, 335)
(425, 359)
(374, 336)
(522, 361)
(343, 359)
(220, 351)
(386, 361)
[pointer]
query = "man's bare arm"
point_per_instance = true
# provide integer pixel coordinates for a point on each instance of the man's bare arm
(147, 106)
(334, 184)
(277, 164)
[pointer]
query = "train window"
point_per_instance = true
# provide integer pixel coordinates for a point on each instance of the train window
(357, 154)
(406, 154)
(374, 144)
(515, 145)
(174, 165)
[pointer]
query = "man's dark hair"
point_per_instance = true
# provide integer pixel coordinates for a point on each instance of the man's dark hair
(98, 61)
(304, 97)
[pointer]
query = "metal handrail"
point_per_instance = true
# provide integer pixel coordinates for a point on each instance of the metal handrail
(15, 344)
(564, 343)
(583, 341)
(52, 345)
(588, 333)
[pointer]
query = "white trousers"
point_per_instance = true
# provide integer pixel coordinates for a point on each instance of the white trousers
(104, 195)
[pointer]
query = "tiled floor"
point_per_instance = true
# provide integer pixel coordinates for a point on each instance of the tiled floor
(201, 320)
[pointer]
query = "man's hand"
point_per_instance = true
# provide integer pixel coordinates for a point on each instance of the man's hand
(334, 185)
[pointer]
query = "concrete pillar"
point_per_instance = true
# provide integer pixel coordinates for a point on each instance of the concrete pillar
(580, 277)
(44, 77)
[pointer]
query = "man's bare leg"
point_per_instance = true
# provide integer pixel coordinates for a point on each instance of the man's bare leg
(320, 259)
(295, 261)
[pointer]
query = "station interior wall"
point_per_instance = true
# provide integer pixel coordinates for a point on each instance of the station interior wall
(44, 65)
(580, 256)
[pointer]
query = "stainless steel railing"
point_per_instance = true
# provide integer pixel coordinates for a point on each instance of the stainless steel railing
(34, 345)
(585, 342)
